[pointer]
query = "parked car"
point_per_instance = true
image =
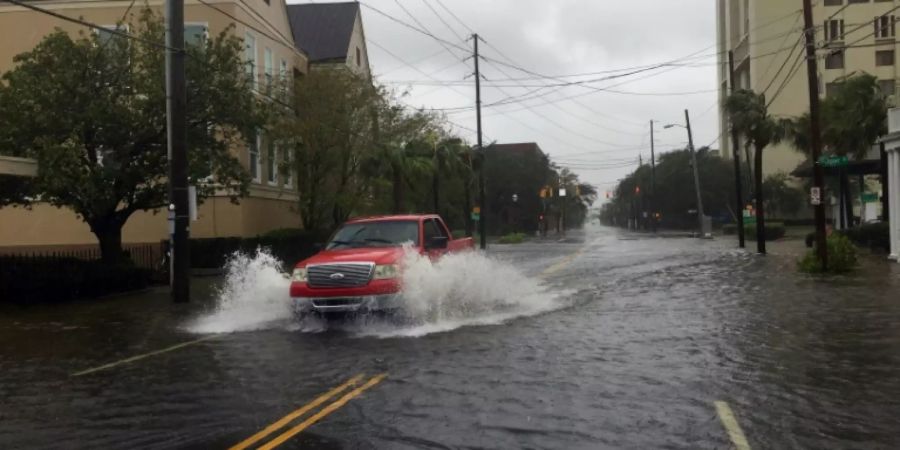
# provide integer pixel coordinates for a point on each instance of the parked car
(359, 270)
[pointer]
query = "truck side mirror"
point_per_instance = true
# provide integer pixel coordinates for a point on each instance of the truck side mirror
(437, 243)
(318, 247)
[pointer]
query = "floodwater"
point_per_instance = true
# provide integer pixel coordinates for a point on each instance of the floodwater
(605, 340)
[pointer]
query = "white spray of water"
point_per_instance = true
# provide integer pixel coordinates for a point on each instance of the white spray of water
(255, 296)
(457, 290)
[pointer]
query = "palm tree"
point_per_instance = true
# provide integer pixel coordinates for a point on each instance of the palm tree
(750, 117)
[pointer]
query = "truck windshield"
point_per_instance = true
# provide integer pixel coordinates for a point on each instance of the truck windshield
(375, 234)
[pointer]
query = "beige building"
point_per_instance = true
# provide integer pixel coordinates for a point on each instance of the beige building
(331, 34)
(264, 26)
(853, 36)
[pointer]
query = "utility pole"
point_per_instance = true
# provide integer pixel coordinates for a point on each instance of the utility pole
(700, 215)
(652, 180)
(482, 226)
(176, 102)
(815, 137)
(736, 156)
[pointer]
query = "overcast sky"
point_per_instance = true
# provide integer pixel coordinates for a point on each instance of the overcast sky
(593, 132)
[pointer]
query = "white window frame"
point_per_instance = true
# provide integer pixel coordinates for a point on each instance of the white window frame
(255, 167)
(252, 65)
(829, 36)
(288, 176)
(202, 24)
(272, 164)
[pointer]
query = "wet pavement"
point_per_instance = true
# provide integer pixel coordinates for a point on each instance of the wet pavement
(639, 336)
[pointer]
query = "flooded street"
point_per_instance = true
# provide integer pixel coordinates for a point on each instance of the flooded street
(605, 340)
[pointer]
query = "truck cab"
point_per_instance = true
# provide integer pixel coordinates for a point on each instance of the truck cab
(360, 268)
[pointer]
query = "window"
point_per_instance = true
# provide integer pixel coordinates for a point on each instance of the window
(884, 58)
(358, 57)
(834, 30)
(833, 2)
(884, 27)
(250, 57)
(254, 157)
(288, 178)
(834, 60)
(269, 67)
(431, 230)
(271, 166)
(283, 76)
(831, 88)
(195, 35)
(888, 87)
(857, 1)
(104, 37)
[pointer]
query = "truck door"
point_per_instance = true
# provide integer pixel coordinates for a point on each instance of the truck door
(435, 238)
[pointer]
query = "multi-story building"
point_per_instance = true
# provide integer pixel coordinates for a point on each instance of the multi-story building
(270, 51)
(766, 36)
(331, 34)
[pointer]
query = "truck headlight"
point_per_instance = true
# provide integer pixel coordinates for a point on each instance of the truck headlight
(386, 271)
(299, 275)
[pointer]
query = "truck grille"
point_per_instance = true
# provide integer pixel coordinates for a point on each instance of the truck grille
(340, 275)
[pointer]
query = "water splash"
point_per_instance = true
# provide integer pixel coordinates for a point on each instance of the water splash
(253, 297)
(457, 290)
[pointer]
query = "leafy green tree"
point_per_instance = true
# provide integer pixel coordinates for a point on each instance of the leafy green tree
(750, 117)
(781, 197)
(91, 109)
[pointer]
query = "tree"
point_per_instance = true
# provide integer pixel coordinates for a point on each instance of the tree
(749, 116)
(780, 196)
(330, 135)
(92, 111)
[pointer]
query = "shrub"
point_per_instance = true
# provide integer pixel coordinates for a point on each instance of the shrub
(841, 257)
(876, 236)
(27, 280)
(513, 238)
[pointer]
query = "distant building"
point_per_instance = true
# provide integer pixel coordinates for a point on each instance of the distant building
(331, 34)
(766, 38)
(269, 47)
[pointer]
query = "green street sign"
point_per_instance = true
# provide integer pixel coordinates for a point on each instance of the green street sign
(476, 217)
(869, 197)
(833, 161)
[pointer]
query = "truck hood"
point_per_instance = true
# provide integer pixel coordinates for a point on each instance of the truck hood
(377, 255)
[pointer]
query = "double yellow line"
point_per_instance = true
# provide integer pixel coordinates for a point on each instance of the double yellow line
(284, 421)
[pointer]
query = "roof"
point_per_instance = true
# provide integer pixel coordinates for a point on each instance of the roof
(392, 217)
(323, 30)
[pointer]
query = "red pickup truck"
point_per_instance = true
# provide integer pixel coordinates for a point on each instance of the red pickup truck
(359, 270)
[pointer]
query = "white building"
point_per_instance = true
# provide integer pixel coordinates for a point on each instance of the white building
(892, 145)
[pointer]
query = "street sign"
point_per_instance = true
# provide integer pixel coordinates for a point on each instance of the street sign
(815, 196)
(476, 210)
(476, 217)
(562, 192)
(747, 213)
(833, 161)
(869, 197)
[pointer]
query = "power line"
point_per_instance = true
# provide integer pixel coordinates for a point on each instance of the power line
(441, 18)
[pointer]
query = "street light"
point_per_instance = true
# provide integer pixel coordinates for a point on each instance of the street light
(687, 126)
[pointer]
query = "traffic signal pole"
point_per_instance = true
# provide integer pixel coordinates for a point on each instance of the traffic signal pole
(176, 103)
(814, 132)
(482, 196)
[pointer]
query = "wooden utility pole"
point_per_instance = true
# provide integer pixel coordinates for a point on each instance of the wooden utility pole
(176, 105)
(736, 156)
(482, 196)
(700, 214)
(815, 134)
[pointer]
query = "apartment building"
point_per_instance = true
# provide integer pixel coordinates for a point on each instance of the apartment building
(271, 53)
(332, 35)
(766, 36)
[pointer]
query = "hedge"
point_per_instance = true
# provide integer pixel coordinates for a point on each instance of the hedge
(774, 231)
(513, 238)
(288, 245)
(876, 236)
(28, 280)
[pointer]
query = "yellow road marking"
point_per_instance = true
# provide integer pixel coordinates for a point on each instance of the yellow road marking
(324, 412)
(299, 412)
(731, 425)
(145, 355)
(561, 264)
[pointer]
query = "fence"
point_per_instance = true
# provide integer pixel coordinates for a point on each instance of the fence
(144, 255)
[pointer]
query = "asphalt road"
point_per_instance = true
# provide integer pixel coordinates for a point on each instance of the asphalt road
(605, 340)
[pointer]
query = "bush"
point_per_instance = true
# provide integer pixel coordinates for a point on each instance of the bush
(513, 238)
(288, 245)
(876, 236)
(841, 257)
(774, 230)
(27, 280)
